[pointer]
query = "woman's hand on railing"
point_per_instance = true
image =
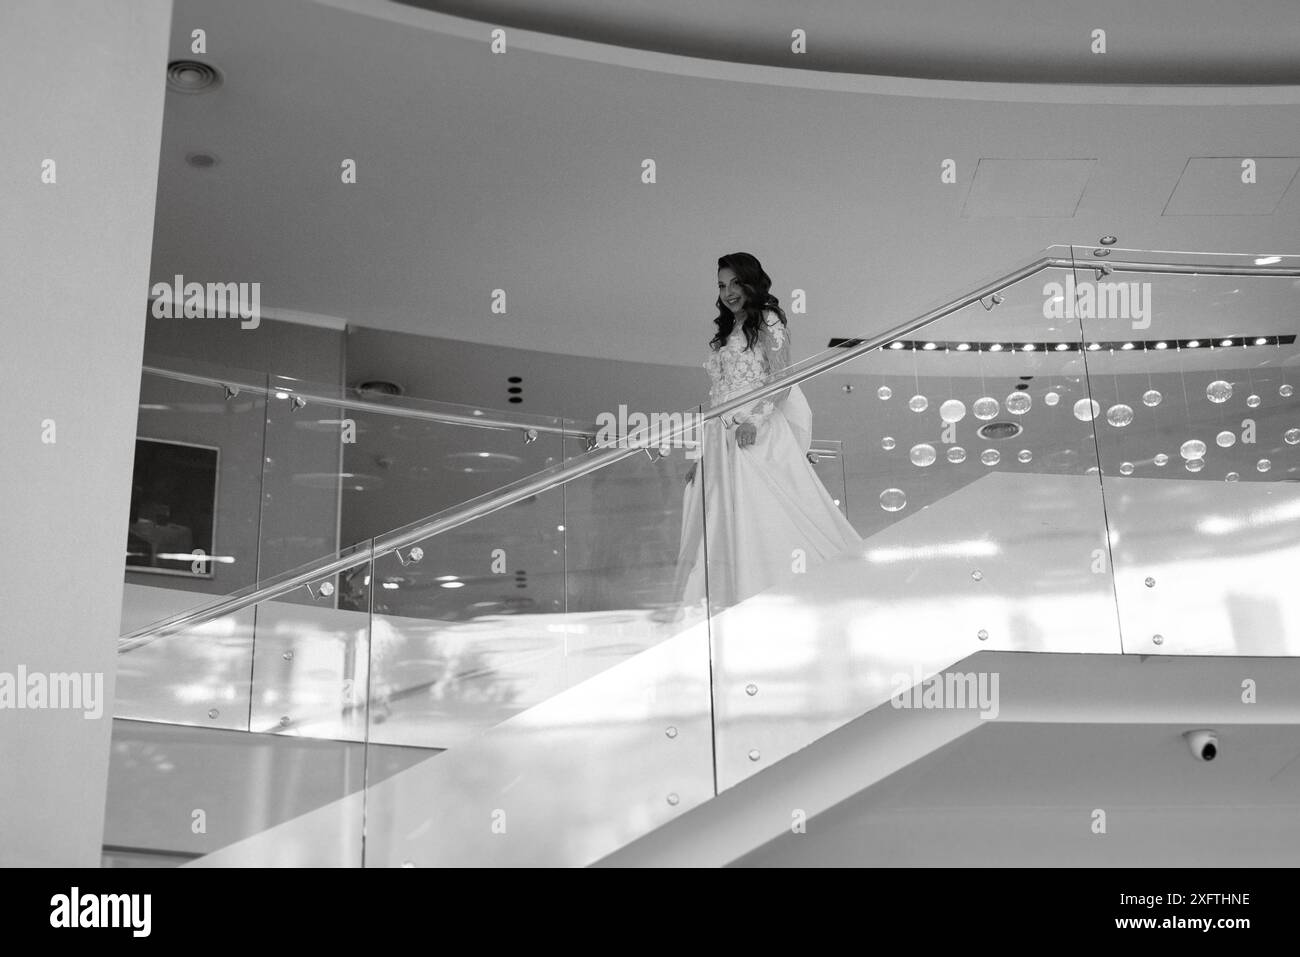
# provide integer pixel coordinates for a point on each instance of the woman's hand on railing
(746, 434)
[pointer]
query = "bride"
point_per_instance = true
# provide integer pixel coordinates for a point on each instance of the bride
(767, 516)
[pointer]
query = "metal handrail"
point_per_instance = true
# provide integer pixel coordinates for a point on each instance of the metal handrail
(365, 405)
(558, 475)
(1187, 269)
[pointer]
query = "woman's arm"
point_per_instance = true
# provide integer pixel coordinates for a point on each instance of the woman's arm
(774, 341)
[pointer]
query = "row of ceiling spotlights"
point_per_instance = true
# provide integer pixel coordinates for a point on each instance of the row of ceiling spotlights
(1154, 345)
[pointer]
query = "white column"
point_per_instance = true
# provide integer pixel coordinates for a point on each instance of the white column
(84, 83)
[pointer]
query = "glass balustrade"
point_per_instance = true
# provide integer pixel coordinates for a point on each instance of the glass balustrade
(1195, 374)
(196, 497)
(982, 526)
(537, 676)
(246, 736)
(241, 476)
(536, 644)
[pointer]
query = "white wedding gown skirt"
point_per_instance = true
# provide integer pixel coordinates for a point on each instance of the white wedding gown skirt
(764, 519)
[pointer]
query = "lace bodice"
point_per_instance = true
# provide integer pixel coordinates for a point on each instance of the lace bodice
(735, 368)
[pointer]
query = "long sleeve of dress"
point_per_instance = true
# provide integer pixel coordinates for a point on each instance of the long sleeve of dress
(775, 345)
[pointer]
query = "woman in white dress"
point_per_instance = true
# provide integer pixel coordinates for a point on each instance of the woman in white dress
(767, 515)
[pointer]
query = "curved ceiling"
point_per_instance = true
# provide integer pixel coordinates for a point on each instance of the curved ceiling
(1208, 42)
(524, 173)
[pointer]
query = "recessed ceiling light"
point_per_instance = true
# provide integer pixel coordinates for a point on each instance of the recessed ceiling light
(379, 387)
(1267, 260)
(995, 431)
(1108, 240)
(191, 76)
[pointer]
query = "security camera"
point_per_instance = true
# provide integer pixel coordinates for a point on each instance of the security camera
(1204, 743)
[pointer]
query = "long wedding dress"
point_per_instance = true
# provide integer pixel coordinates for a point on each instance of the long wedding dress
(764, 517)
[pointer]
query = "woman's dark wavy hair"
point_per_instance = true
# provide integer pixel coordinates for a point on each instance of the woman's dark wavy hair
(758, 297)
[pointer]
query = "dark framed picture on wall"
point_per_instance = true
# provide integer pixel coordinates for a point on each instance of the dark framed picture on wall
(173, 508)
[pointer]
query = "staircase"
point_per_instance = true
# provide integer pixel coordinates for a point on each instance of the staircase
(1069, 549)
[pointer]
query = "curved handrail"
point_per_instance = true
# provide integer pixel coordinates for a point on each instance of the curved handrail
(602, 457)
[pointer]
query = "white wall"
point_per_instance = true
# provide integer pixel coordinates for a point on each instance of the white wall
(84, 84)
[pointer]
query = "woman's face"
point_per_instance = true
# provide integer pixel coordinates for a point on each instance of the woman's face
(729, 291)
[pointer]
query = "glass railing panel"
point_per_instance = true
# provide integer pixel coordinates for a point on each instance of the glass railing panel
(200, 664)
(540, 646)
(977, 524)
(286, 792)
(193, 537)
(201, 678)
(459, 624)
(302, 476)
(382, 462)
(311, 666)
(622, 530)
(196, 492)
(294, 468)
(1193, 363)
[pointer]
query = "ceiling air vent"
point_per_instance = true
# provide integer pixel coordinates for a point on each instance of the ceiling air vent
(191, 76)
(995, 431)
